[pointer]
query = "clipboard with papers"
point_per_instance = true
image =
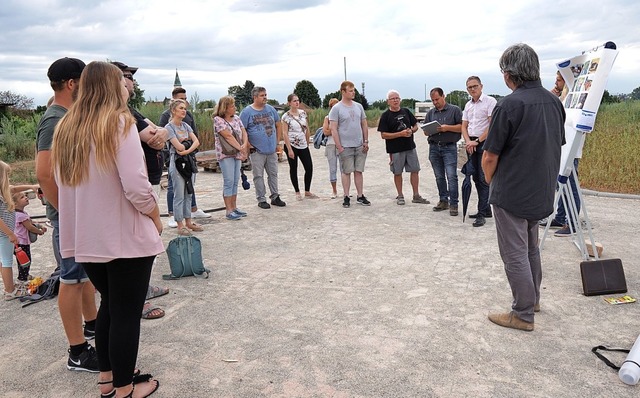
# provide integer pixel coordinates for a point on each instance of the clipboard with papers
(430, 128)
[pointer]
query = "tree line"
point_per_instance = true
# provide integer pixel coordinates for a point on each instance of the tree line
(304, 89)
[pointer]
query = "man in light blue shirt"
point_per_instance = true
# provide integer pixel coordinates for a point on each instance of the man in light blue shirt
(263, 127)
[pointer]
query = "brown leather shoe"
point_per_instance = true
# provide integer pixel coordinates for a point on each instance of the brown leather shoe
(453, 211)
(536, 308)
(511, 320)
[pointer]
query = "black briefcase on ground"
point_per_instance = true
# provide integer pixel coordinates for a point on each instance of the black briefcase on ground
(603, 277)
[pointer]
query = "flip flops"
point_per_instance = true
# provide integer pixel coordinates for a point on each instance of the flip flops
(149, 308)
(156, 291)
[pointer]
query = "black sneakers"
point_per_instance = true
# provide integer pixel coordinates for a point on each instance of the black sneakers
(89, 334)
(264, 205)
(278, 202)
(363, 201)
(346, 202)
(87, 361)
(479, 222)
(476, 215)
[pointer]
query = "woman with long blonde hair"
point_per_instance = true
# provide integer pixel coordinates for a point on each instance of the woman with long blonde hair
(109, 218)
(181, 151)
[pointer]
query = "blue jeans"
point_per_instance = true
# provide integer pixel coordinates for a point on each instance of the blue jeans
(170, 195)
(444, 161)
(181, 198)
(481, 184)
(332, 157)
(230, 175)
(561, 214)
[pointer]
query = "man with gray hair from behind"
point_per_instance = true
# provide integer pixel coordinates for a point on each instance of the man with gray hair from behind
(521, 161)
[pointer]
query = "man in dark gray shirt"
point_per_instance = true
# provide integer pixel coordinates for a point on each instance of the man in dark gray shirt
(76, 297)
(521, 161)
(443, 152)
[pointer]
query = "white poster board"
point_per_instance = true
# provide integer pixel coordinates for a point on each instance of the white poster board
(586, 77)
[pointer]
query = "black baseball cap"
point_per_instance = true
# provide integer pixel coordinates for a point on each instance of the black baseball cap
(124, 67)
(65, 69)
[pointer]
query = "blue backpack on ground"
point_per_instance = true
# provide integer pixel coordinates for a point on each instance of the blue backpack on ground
(319, 139)
(185, 258)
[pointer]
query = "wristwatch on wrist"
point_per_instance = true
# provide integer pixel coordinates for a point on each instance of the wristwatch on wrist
(366, 141)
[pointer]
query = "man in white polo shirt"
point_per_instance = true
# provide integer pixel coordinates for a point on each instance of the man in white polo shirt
(476, 119)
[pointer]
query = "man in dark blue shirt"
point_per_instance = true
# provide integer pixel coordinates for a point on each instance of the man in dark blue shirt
(521, 161)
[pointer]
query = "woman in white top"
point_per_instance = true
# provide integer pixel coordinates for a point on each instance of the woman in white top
(330, 151)
(295, 129)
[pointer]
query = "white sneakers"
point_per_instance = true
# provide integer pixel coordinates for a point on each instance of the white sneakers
(200, 214)
(196, 214)
(172, 223)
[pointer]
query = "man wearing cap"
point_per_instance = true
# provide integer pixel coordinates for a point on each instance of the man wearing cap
(76, 297)
(180, 93)
(152, 139)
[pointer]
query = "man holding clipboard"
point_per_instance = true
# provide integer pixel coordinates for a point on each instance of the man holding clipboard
(443, 128)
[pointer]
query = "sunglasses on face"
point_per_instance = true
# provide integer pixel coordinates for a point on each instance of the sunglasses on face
(128, 76)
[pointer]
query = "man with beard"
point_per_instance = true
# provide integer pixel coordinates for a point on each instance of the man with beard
(76, 297)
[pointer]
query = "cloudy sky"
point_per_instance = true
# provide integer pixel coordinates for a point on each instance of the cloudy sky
(400, 44)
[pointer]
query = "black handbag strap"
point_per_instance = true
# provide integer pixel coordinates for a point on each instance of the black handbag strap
(605, 359)
(303, 127)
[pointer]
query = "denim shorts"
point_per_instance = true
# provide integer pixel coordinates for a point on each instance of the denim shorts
(6, 252)
(70, 271)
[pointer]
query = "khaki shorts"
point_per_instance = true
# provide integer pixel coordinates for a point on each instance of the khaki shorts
(407, 160)
(352, 159)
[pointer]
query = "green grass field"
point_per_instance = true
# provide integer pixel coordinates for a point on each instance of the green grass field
(610, 159)
(611, 154)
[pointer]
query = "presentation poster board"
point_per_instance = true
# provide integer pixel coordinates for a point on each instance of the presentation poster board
(586, 78)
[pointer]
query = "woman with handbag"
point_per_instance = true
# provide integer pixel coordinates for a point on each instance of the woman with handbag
(330, 151)
(109, 219)
(297, 138)
(232, 147)
(181, 162)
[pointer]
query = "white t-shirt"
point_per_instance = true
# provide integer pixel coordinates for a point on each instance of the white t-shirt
(297, 133)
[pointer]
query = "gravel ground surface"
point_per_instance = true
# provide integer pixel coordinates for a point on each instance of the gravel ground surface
(314, 300)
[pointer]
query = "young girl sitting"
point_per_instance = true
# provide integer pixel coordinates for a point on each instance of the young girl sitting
(24, 225)
(7, 237)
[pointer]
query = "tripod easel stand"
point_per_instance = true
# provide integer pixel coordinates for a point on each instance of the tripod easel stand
(565, 193)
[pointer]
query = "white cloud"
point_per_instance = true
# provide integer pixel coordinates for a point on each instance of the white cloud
(404, 44)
